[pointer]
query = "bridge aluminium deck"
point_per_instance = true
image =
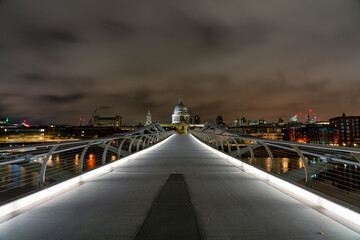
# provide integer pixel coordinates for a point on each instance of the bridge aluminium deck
(180, 190)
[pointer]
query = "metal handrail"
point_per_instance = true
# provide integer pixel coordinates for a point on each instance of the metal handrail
(37, 157)
(330, 167)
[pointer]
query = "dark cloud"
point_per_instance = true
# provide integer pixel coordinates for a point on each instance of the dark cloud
(45, 38)
(2, 110)
(104, 107)
(60, 35)
(32, 77)
(257, 59)
(62, 99)
(115, 27)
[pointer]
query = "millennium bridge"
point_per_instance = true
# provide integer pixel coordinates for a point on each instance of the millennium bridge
(157, 184)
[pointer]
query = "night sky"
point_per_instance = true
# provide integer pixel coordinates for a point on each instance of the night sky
(258, 59)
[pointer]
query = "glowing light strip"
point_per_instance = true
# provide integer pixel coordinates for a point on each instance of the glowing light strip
(333, 207)
(28, 200)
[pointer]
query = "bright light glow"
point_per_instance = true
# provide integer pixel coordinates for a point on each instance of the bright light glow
(26, 201)
(333, 207)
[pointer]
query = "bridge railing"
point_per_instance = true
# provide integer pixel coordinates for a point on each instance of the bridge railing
(29, 168)
(334, 171)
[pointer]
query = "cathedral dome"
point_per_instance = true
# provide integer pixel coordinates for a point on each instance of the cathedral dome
(181, 114)
(180, 107)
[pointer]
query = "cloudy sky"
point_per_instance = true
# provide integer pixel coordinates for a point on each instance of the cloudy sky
(258, 59)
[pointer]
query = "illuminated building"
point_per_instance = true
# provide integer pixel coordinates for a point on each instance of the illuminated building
(107, 121)
(294, 118)
(181, 114)
(311, 133)
(348, 128)
(253, 122)
(53, 133)
(181, 118)
(267, 131)
(236, 122)
(148, 119)
(32, 134)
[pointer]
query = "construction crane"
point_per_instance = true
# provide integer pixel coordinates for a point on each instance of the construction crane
(92, 117)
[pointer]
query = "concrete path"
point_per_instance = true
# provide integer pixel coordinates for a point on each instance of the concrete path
(138, 199)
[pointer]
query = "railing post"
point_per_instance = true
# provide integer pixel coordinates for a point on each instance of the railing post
(81, 161)
(148, 141)
(151, 140)
(237, 147)
(216, 142)
(228, 145)
(132, 141)
(105, 151)
(270, 155)
(251, 152)
(144, 142)
(208, 139)
(138, 144)
(43, 166)
(120, 147)
(306, 166)
(221, 144)
(156, 139)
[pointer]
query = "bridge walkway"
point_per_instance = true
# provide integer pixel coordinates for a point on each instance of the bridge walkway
(149, 198)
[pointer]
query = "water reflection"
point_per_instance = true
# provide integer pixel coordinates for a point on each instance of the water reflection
(91, 162)
(300, 163)
(76, 159)
(282, 164)
(285, 164)
(65, 162)
(16, 176)
(15, 170)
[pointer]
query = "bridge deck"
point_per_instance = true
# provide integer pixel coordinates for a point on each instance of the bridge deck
(138, 198)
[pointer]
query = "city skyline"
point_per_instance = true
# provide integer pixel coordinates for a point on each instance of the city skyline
(258, 60)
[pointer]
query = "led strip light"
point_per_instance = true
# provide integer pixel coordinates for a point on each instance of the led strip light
(30, 199)
(333, 207)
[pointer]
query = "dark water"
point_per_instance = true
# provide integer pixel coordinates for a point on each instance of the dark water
(17, 179)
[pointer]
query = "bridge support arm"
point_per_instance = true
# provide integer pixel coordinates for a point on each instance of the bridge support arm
(132, 142)
(356, 155)
(306, 166)
(270, 155)
(43, 166)
(105, 151)
(237, 147)
(221, 144)
(120, 148)
(81, 161)
(251, 152)
(228, 145)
